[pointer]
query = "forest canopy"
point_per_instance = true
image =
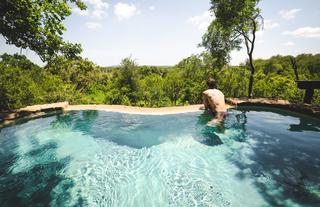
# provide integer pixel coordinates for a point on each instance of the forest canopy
(38, 25)
(80, 81)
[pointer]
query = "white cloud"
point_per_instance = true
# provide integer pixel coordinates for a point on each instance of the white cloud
(289, 14)
(269, 24)
(305, 32)
(288, 44)
(94, 25)
(125, 11)
(80, 12)
(98, 14)
(96, 9)
(98, 4)
(202, 21)
(152, 8)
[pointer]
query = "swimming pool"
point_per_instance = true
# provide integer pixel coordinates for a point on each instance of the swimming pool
(260, 157)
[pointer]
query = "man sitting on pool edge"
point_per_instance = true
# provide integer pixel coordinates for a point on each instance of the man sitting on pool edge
(213, 99)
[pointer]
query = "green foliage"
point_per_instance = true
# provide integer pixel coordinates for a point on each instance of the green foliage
(53, 89)
(150, 91)
(38, 25)
(236, 21)
(173, 87)
(233, 81)
(82, 82)
(17, 87)
(219, 44)
(17, 61)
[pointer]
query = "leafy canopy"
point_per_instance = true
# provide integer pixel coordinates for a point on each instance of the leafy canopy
(80, 81)
(38, 25)
(236, 21)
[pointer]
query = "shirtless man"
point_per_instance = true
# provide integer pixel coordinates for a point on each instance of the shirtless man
(213, 99)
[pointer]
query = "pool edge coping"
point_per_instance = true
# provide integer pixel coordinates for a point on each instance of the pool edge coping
(38, 111)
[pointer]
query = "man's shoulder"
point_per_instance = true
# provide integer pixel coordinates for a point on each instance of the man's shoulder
(207, 91)
(217, 91)
(212, 91)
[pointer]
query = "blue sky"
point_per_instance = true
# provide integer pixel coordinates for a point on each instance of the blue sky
(163, 32)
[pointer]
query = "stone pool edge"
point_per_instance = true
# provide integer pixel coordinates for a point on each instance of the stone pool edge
(307, 109)
(37, 111)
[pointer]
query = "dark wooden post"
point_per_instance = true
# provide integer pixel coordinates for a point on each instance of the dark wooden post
(308, 95)
(309, 86)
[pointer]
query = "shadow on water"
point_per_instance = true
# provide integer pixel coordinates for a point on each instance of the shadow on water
(306, 122)
(286, 164)
(208, 134)
(304, 125)
(40, 182)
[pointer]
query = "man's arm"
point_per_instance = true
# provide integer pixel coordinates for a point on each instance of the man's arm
(205, 100)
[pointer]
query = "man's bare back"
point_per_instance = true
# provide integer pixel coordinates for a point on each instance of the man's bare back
(213, 99)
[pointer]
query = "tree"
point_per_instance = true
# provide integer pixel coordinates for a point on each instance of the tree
(150, 90)
(236, 21)
(17, 87)
(17, 61)
(37, 25)
(173, 86)
(219, 44)
(127, 83)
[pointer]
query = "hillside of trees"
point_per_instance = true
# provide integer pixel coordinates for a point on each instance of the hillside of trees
(39, 26)
(80, 81)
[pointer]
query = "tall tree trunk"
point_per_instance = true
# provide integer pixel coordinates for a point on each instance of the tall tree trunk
(250, 48)
(252, 69)
(294, 66)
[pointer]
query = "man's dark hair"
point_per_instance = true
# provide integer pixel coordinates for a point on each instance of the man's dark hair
(212, 84)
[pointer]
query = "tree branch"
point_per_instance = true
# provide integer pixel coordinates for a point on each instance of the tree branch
(236, 37)
(253, 35)
(247, 46)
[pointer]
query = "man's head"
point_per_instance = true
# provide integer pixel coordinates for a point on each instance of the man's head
(212, 84)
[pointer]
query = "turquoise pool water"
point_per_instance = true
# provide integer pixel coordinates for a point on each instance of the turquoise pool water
(261, 157)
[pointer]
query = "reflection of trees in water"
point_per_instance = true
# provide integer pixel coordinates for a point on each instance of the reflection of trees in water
(63, 120)
(39, 182)
(86, 121)
(279, 165)
(90, 115)
(82, 121)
